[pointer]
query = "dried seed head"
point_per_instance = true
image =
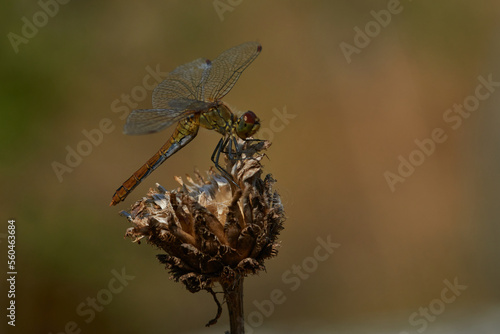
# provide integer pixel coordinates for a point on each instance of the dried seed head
(210, 229)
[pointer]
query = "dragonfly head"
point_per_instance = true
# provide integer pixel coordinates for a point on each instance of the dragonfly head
(248, 124)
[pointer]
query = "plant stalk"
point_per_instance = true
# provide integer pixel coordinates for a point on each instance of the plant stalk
(233, 295)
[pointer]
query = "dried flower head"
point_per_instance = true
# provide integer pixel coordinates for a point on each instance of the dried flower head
(213, 229)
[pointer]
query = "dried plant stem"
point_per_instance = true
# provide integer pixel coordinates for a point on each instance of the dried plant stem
(233, 294)
(213, 232)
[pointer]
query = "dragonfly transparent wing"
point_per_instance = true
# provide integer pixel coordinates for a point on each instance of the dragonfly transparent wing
(144, 121)
(225, 70)
(203, 80)
(182, 83)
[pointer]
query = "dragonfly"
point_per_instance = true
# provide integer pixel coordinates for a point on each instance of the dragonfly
(191, 96)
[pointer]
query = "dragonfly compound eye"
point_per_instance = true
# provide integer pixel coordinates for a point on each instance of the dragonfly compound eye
(248, 125)
(250, 118)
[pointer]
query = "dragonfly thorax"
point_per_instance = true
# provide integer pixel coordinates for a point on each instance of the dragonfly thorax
(218, 118)
(222, 120)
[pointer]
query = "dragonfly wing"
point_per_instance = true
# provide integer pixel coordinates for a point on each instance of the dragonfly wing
(144, 121)
(183, 83)
(220, 77)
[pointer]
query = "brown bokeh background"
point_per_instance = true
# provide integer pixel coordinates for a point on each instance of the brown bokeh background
(351, 123)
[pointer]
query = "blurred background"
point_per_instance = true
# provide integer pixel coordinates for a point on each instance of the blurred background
(345, 90)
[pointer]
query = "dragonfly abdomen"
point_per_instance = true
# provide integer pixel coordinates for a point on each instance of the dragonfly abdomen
(185, 132)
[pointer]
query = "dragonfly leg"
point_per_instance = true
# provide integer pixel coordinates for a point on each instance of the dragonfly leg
(225, 146)
(232, 141)
(216, 156)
